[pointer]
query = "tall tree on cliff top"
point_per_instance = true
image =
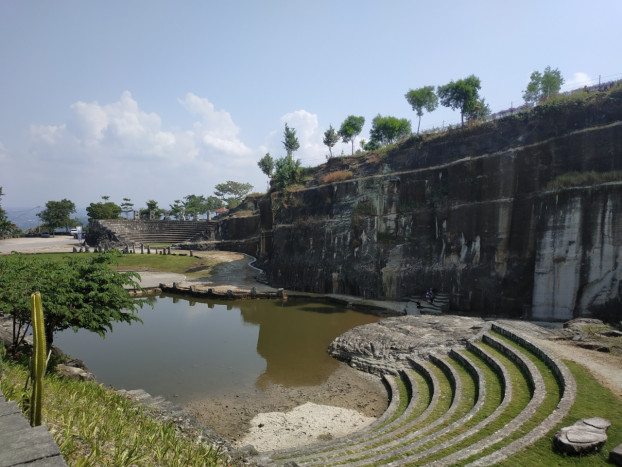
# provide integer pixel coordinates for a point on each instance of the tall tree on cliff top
(351, 128)
(420, 99)
(290, 142)
(58, 214)
(266, 164)
(386, 130)
(543, 85)
(331, 137)
(462, 94)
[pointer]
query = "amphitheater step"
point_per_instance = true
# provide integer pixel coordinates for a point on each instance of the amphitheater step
(467, 392)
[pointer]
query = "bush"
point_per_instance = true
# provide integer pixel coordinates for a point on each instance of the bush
(338, 176)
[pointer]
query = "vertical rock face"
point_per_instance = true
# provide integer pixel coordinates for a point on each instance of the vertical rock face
(468, 213)
(578, 268)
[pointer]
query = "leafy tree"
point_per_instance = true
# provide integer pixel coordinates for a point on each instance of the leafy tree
(331, 137)
(386, 130)
(420, 99)
(231, 189)
(287, 172)
(213, 203)
(290, 142)
(6, 226)
(103, 210)
(462, 94)
(78, 292)
(152, 207)
(372, 145)
(543, 85)
(178, 210)
(127, 206)
(266, 164)
(480, 110)
(350, 129)
(58, 214)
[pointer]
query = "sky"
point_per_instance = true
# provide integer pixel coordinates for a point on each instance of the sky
(157, 100)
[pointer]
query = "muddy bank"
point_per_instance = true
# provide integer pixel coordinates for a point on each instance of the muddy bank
(230, 415)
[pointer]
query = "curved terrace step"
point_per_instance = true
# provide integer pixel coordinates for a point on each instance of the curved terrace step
(390, 434)
(401, 454)
(418, 437)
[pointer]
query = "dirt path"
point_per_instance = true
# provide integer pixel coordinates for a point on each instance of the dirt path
(606, 368)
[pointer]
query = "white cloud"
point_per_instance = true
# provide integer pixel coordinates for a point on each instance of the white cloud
(310, 136)
(578, 80)
(120, 147)
(216, 131)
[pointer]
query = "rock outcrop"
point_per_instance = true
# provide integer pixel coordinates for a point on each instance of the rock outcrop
(586, 436)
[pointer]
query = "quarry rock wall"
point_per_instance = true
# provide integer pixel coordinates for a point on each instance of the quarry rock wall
(469, 213)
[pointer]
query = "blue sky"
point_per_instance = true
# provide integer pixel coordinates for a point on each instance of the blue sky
(162, 99)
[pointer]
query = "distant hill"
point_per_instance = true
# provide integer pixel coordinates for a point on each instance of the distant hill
(26, 217)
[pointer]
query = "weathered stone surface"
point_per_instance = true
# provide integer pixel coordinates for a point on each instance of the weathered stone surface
(74, 373)
(586, 436)
(379, 346)
(615, 455)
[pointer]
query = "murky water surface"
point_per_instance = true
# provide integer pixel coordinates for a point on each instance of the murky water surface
(189, 348)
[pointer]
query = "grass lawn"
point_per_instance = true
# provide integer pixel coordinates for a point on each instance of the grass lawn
(191, 266)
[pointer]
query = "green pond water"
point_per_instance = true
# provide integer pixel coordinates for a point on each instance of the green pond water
(189, 348)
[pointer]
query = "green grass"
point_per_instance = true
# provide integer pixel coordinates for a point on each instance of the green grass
(593, 400)
(192, 266)
(96, 426)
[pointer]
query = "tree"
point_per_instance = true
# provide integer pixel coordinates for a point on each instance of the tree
(103, 210)
(127, 206)
(350, 129)
(6, 226)
(58, 214)
(290, 142)
(420, 99)
(287, 172)
(462, 94)
(231, 189)
(386, 130)
(178, 210)
(79, 292)
(480, 110)
(212, 204)
(543, 85)
(152, 211)
(266, 164)
(331, 137)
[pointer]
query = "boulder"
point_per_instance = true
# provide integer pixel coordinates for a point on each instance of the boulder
(586, 436)
(615, 455)
(71, 372)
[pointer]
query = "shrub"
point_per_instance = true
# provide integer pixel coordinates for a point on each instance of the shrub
(337, 176)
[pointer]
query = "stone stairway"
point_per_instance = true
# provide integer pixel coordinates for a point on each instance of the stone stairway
(476, 406)
(150, 232)
(439, 306)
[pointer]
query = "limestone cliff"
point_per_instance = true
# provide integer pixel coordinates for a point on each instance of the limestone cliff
(469, 212)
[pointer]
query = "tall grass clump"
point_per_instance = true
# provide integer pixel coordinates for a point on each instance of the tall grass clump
(94, 425)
